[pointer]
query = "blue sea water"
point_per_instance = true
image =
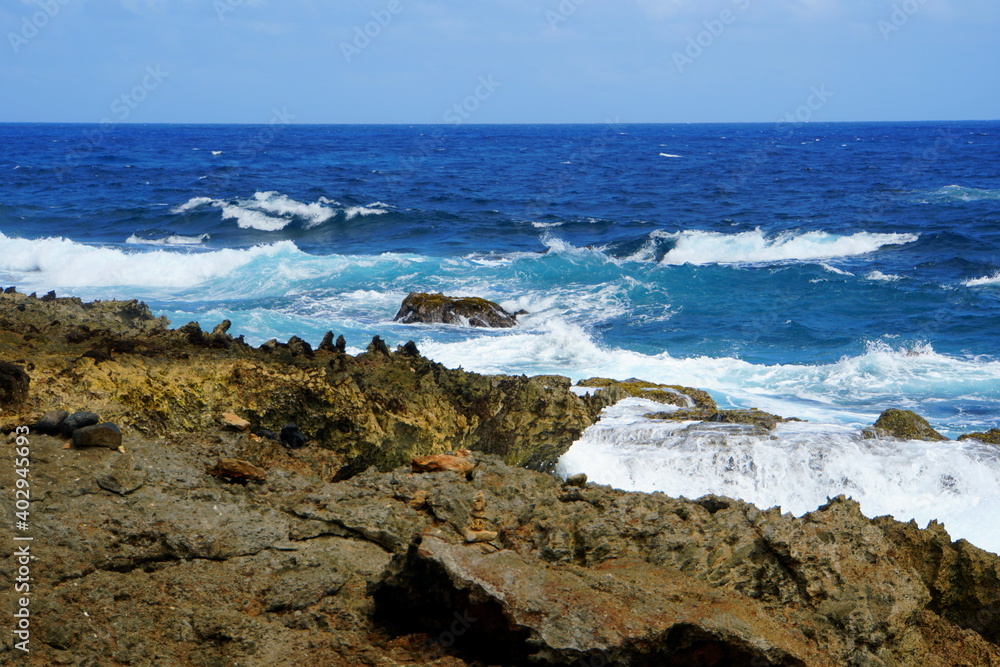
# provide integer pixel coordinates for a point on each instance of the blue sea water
(823, 271)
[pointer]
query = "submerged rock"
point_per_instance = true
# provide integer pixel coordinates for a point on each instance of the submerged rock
(683, 397)
(906, 425)
(440, 309)
(751, 417)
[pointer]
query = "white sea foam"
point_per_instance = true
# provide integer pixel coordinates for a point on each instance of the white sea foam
(272, 211)
(798, 469)
(173, 239)
(192, 204)
(883, 277)
(966, 194)
(702, 247)
(59, 262)
(668, 155)
(985, 280)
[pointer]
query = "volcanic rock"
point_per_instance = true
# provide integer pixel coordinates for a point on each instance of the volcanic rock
(991, 437)
(98, 435)
(14, 383)
(49, 423)
(440, 309)
(76, 421)
(906, 425)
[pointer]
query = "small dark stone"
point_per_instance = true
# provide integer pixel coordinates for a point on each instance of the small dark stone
(49, 423)
(99, 435)
(51, 296)
(76, 421)
(291, 436)
(378, 346)
(299, 346)
(221, 328)
(341, 345)
(264, 433)
(14, 383)
(410, 349)
(326, 345)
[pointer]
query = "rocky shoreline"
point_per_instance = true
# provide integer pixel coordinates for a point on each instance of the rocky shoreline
(419, 523)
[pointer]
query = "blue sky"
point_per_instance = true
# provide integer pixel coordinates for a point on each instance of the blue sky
(498, 61)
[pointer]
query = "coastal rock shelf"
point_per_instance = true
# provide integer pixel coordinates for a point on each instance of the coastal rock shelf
(208, 541)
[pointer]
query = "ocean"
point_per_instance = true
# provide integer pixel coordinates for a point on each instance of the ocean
(819, 271)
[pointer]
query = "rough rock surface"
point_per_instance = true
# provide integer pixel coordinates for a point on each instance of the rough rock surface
(906, 425)
(682, 397)
(991, 437)
(376, 409)
(441, 309)
(143, 558)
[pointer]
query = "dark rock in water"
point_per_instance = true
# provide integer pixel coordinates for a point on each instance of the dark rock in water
(991, 437)
(410, 349)
(907, 425)
(49, 423)
(378, 346)
(291, 436)
(298, 346)
(99, 435)
(14, 383)
(752, 417)
(441, 309)
(77, 420)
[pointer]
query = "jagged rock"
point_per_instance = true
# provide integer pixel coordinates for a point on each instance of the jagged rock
(442, 462)
(906, 425)
(99, 435)
(683, 397)
(49, 423)
(49, 296)
(378, 347)
(222, 328)
(14, 383)
(751, 417)
(628, 613)
(326, 345)
(234, 422)
(440, 309)
(991, 437)
(298, 346)
(77, 420)
(291, 437)
(236, 470)
(410, 349)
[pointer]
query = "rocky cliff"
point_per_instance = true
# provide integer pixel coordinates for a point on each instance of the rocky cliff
(339, 553)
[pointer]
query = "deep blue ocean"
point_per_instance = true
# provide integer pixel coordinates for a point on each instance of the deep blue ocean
(822, 271)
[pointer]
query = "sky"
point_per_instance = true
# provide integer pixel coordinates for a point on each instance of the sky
(498, 61)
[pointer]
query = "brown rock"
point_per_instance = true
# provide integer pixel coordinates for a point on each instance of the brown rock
(236, 470)
(906, 425)
(234, 422)
(442, 462)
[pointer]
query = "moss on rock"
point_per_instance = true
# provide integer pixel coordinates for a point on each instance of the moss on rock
(907, 425)
(991, 437)
(671, 394)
